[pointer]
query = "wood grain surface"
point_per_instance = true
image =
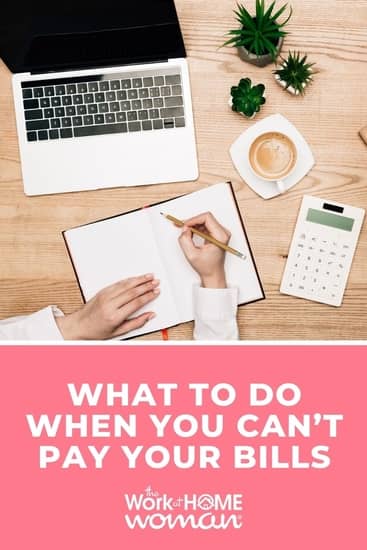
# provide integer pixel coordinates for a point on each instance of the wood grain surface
(34, 268)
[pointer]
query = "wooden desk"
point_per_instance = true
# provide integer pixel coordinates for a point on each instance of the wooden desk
(35, 270)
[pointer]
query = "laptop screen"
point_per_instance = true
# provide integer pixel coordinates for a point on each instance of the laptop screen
(86, 36)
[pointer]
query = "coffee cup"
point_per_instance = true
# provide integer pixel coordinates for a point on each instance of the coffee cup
(272, 157)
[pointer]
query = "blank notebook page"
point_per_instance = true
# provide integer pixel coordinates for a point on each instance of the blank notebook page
(110, 250)
(240, 273)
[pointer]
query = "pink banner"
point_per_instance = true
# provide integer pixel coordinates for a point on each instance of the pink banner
(201, 447)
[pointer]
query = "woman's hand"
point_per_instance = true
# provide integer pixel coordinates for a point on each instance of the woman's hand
(108, 314)
(207, 259)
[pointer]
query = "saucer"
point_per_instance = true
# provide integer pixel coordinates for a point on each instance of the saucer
(240, 148)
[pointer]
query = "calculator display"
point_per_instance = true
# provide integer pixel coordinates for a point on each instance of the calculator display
(331, 220)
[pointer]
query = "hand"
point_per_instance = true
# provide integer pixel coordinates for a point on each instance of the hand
(207, 259)
(108, 314)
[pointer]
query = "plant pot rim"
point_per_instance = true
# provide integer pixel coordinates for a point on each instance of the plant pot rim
(265, 58)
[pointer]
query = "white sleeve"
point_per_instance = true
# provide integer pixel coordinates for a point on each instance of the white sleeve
(215, 313)
(37, 326)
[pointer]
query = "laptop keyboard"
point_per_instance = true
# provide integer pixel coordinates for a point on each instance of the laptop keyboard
(103, 104)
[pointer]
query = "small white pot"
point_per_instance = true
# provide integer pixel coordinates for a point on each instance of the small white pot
(290, 89)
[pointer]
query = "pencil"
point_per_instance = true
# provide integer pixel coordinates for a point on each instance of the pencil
(209, 238)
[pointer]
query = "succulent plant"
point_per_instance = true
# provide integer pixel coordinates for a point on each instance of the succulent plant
(295, 72)
(247, 99)
(261, 33)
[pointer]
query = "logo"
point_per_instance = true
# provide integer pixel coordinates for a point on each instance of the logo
(152, 510)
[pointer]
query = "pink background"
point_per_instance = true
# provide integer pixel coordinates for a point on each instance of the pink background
(284, 509)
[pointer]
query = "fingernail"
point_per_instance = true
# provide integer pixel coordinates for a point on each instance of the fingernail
(149, 275)
(155, 282)
(156, 291)
(151, 316)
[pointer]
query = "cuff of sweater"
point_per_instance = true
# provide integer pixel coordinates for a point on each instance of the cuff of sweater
(215, 304)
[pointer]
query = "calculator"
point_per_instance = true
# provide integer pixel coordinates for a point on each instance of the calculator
(322, 250)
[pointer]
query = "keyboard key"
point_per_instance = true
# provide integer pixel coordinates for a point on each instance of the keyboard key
(55, 123)
(88, 98)
(114, 107)
(38, 124)
(104, 85)
(44, 102)
(38, 92)
(126, 84)
(27, 94)
(55, 101)
(92, 108)
(158, 102)
(147, 103)
(172, 112)
(77, 99)
(173, 101)
(136, 104)
(33, 114)
(147, 124)
(121, 117)
(82, 88)
(70, 111)
(71, 89)
(179, 122)
(60, 111)
(110, 96)
(32, 136)
(87, 120)
(148, 81)
(121, 95)
(154, 113)
(168, 123)
(155, 92)
(81, 109)
(137, 83)
(66, 100)
(49, 91)
(31, 104)
(93, 87)
(158, 81)
(98, 119)
(158, 124)
(143, 92)
(134, 126)
(110, 117)
(165, 90)
(101, 130)
(99, 97)
(42, 135)
(143, 115)
(66, 122)
(60, 90)
(49, 113)
(173, 79)
(103, 107)
(53, 134)
(125, 105)
(66, 133)
(176, 90)
(77, 121)
(132, 115)
(115, 85)
(132, 94)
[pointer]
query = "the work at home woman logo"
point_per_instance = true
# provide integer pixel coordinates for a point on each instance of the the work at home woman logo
(153, 510)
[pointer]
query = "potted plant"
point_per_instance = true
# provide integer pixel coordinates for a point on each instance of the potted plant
(247, 99)
(260, 37)
(294, 74)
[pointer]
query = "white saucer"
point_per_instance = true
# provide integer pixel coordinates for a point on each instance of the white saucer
(239, 154)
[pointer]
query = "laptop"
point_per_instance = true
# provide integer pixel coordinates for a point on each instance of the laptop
(102, 95)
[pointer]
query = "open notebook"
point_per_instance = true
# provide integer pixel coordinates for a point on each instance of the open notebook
(143, 241)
